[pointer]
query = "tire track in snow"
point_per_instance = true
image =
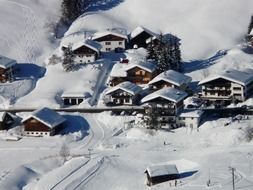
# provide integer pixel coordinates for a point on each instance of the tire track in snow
(97, 137)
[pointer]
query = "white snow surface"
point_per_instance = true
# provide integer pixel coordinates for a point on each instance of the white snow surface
(243, 77)
(127, 87)
(204, 26)
(168, 93)
(172, 77)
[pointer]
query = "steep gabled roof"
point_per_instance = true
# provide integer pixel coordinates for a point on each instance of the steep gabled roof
(47, 116)
(98, 35)
(170, 94)
(147, 66)
(6, 62)
(162, 170)
(138, 30)
(239, 77)
(172, 77)
(127, 86)
(88, 43)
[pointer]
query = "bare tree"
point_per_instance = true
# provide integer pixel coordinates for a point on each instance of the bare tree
(64, 152)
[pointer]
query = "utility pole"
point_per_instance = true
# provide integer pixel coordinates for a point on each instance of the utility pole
(233, 176)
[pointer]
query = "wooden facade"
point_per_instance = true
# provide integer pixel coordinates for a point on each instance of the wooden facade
(160, 179)
(33, 127)
(110, 37)
(140, 40)
(140, 76)
(120, 97)
(117, 80)
(6, 74)
(222, 91)
(83, 50)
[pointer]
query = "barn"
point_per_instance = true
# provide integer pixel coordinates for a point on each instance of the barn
(43, 122)
(161, 173)
(139, 37)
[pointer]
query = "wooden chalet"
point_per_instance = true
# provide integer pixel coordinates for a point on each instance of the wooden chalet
(140, 37)
(161, 173)
(111, 41)
(6, 120)
(169, 101)
(172, 79)
(6, 69)
(118, 74)
(74, 98)
(43, 122)
(125, 93)
(86, 51)
(229, 86)
(141, 73)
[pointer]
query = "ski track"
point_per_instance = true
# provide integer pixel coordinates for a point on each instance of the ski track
(97, 136)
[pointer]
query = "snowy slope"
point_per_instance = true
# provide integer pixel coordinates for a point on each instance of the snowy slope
(204, 26)
(25, 35)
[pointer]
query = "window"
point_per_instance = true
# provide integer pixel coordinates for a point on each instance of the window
(120, 43)
(107, 49)
(237, 88)
(107, 43)
(127, 100)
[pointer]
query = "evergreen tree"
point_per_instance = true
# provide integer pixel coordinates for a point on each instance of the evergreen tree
(71, 9)
(68, 59)
(166, 52)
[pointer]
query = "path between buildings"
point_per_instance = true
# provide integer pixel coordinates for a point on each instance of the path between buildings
(103, 76)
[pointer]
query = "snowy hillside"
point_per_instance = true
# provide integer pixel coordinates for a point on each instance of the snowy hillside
(24, 34)
(204, 26)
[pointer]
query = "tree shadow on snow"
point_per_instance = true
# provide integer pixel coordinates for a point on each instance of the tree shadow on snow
(203, 64)
(29, 71)
(75, 124)
(104, 5)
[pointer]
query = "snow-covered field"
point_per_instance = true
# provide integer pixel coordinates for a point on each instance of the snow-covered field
(119, 162)
(103, 154)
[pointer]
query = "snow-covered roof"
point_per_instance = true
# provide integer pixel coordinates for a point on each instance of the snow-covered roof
(171, 94)
(47, 116)
(6, 62)
(147, 66)
(75, 94)
(191, 113)
(138, 30)
(172, 77)
(98, 35)
(119, 70)
(127, 86)
(88, 43)
(161, 170)
(240, 77)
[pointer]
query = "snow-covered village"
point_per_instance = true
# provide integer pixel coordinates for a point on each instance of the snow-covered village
(126, 94)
